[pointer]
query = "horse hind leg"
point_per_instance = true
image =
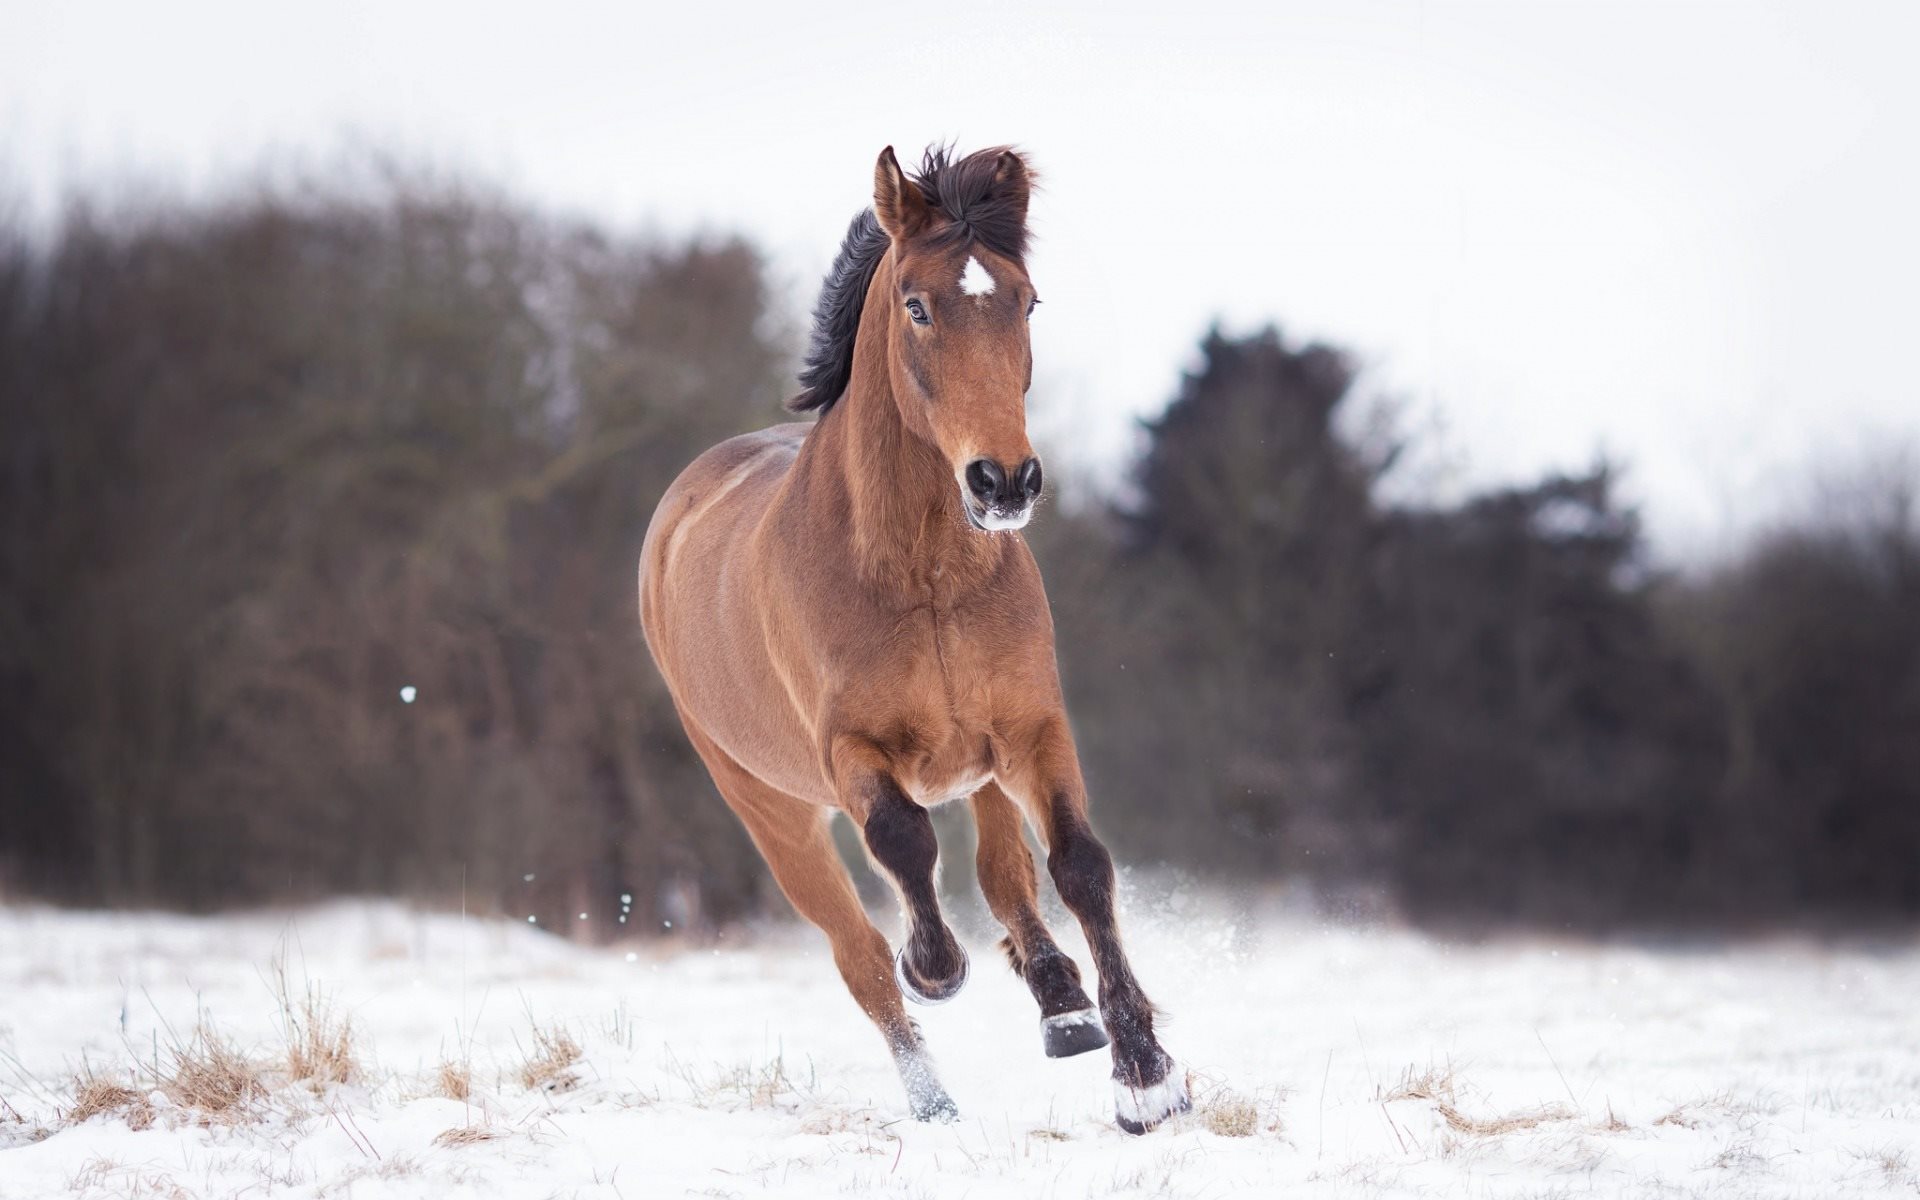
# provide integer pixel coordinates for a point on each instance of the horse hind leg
(810, 873)
(1069, 1023)
(794, 838)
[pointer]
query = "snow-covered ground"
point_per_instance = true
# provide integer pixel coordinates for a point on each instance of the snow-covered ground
(1325, 1061)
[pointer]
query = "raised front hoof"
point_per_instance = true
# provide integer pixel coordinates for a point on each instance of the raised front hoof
(921, 993)
(1069, 1033)
(1138, 1109)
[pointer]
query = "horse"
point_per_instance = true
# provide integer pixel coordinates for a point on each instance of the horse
(847, 618)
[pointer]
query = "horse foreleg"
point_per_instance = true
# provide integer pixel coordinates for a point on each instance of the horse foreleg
(1148, 1086)
(932, 967)
(1069, 1024)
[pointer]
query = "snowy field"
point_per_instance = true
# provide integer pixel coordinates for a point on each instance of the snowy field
(1325, 1062)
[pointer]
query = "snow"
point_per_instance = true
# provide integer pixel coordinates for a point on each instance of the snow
(1358, 1062)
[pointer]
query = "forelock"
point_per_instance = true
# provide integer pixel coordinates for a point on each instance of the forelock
(964, 191)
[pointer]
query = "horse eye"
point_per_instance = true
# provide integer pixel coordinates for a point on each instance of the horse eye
(917, 311)
(1033, 304)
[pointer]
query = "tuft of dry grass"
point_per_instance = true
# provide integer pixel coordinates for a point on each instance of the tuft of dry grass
(1890, 1160)
(1229, 1113)
(1740, 1154)
(93, 1096)
(755, 1086)
(320, 1047)
(103, 1175)
(1439, 1086)
(761, 1086)
(1434, 1083)
(467, 1135)
(1679, 1118)
(1459, 1122)
(454, 1080)
(823, 1118)
(549, 1066)
(209, 1074)
(1613, 1124)
(320, 1042)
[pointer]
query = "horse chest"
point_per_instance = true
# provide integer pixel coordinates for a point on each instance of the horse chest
(939, 719)
(945, 764)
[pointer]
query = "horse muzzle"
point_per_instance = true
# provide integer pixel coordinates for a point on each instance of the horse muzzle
(997, 500)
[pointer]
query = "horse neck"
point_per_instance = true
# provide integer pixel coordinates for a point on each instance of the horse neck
(901, 503)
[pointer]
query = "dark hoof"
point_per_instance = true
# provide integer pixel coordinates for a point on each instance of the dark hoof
(1138, 1109)
(940, 993)
(1069, 1033)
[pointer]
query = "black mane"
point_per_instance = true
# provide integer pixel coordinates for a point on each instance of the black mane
(964, 194)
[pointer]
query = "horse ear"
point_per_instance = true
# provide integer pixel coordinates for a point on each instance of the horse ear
(1013, 181)
(897, 201)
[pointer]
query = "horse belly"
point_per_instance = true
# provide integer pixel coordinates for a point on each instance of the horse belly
(702, 618)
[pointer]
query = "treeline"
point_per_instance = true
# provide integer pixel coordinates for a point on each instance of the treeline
(1493, 712)
(318, 520)
(269, 463)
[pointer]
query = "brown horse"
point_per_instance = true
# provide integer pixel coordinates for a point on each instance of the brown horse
(847, 620)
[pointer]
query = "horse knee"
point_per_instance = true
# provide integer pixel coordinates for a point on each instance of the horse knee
(1082, 871)
(899, 833)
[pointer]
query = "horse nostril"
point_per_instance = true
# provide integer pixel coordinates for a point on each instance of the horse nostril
(985, 479)
(1029, 479)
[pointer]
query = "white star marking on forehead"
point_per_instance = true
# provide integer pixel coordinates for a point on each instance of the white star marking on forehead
(975, 281)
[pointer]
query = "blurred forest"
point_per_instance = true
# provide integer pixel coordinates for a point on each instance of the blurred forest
(267, 462)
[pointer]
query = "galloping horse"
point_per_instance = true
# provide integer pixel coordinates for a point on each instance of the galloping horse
(847, 619)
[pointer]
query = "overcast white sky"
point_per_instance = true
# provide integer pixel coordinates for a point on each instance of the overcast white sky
(1681, 233)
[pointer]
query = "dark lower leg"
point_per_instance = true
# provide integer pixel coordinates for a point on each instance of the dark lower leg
(899, 835)
(1007, 881)
(1082, 870)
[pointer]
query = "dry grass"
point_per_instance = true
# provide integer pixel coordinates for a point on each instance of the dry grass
(1694, 1113)
(760, 1086)
(320, 1049)
(1740, 1154)
(320, 1042)
(208, 1074)
(127, 1182)
(821, 1118)
(1435, 1083)
(549, 1065)
(1230, 1115)
(467, 1135)
(1890, 1160)
(1226, 1112)
(1439, 1086)
(454, 1080)
(1680, 1118)
(1510, 1123)
(741, 1084)
(94, 1096)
